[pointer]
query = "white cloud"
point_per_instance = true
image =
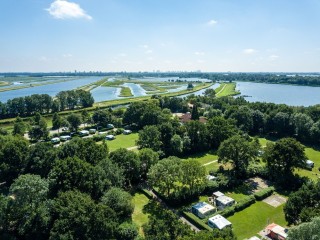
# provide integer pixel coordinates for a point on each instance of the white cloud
(249, 51)
(145, 46)
(43, 59)
(273, 57)
(67, 55)
(149, 51)
(122, 55)
(199, 53)
(212, 22)
(62, 9)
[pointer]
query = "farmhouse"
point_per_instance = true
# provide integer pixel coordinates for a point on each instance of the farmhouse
(219, 222)
(202, 209)
(276, 232)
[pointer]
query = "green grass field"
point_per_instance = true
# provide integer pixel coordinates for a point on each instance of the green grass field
(255, 218)
(125, 92)
(138, 217)
(123, 141)
(226, 89)
(206, 159)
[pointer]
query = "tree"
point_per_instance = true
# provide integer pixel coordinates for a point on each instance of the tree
(127, 231)
(198, 135)
(195, 112)
(165, 174)
(243, 116)
(41, 159)
(19, 127)
(85, 149)
(56, 121)
(28, 212)
(77, 216)
(283, 157)
(302, 124)
(148, 158)
(120, 201)
(13, 157)
(113, 175)
(220, 129)
(149, 137)
(240, 152)
(71, 173)
(129, 162)
(102, 117)
(303, 204)
(304, 231)
(75, 121)
(165, 225)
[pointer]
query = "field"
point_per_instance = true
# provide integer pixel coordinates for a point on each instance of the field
(123, 141)
(209, 160)
(138, 216)
(226, 89)
(255, 218)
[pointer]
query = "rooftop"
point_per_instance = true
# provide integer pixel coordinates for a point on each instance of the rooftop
(219, 221)
(225, 199)
(203, 207)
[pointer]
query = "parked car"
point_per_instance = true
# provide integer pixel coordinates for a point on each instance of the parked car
(55, 140)
(126, 132)
(65, 138)
(110, 126)
(83, 133)
(92, 131)
(110, 137)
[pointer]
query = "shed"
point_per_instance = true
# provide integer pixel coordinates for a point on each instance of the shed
(219, 222)
(276, 232)
(224, 201)
(217, 194)
(202, 209)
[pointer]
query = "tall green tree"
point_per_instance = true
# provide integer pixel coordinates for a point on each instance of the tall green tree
(28, 213)
(240, 152)
(150, 137)
(304, 231)
(75, 121)
(56, 121)
(283, 157)
(19, 127)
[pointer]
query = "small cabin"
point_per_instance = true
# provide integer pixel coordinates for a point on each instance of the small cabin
(219, 222)
(202, 209)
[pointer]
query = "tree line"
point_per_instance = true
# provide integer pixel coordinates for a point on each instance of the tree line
(43, 103)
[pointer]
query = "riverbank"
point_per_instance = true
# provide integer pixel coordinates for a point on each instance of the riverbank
(227, 89)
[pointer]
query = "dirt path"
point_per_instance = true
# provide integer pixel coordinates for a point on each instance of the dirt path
(210, 163)
(221, 89)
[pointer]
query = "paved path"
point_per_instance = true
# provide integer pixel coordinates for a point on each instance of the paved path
(210, 163)
(132, 148)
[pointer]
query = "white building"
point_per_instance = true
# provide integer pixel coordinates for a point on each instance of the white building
(202, 209)
(219, 222)
(224, 201)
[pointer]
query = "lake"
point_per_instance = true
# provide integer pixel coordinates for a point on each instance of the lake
(280, 93)
(51, 89)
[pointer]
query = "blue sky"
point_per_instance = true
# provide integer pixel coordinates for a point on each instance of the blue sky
(166, 35)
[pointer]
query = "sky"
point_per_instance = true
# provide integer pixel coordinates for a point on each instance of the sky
(160, 35)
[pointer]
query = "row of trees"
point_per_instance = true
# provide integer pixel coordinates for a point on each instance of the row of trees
(43, 103)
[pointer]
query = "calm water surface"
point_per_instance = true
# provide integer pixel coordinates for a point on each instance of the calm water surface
(280, 93)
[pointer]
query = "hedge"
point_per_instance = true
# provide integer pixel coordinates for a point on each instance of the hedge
(264, 193)
(146, 192)
(196, 221)
(244, 203)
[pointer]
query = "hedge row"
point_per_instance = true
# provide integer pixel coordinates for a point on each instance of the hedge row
(244, 203)
(264, 193)
(196, 221)
(146, 192)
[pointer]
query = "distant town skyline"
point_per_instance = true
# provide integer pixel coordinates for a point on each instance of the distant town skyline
(166, 35)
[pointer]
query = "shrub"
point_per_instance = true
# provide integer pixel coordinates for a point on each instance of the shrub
(119, 131)
(99, 137)
(264, 193)
(227, 212)
(196, 221)
(244, 203)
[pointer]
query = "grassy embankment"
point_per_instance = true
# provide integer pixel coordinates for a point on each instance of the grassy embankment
(2, 84)
(125, 92)
(226, 89)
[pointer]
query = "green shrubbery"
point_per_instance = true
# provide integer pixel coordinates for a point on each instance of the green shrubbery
(264, 193)
(196, 221)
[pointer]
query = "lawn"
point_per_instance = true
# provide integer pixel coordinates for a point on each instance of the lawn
(255, 218)
(209, 159)
(226, 89)
(313, 155)
(138, 217)
(123, 141)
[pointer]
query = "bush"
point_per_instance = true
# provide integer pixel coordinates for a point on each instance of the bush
(244, 203)
(196, 221)
(119, 131)
(227, 212)
(99, 137)
(264, 193)
(146, 192)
